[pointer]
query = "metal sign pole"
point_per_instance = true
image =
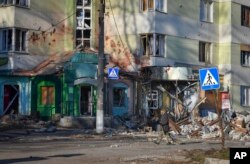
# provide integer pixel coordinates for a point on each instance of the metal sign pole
(209, 80)
(220, 118)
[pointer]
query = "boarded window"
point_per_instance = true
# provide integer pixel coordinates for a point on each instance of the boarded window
(47, 95)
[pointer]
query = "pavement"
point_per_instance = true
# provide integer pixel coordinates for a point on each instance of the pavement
(84, 146)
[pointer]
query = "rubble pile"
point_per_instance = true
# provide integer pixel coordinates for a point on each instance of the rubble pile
(236, 128)
(14, 121)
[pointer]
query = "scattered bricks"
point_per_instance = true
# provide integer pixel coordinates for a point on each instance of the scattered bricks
(245, 138)
(247, 119)
(5, 119)
(147, 129)
(235, 135)
(240, 122)
(210, 135)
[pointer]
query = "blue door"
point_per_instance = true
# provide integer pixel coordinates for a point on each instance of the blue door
(120, 99)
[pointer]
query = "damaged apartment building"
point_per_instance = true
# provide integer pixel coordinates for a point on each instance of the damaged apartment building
(167, 41)
(48, 56)
(48, 61)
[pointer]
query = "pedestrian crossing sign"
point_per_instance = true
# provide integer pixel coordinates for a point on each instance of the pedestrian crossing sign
(113, 73)
(209, 78)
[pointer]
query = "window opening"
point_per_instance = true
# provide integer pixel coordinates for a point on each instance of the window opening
(206, 10)
(153, 44)
(205, 52)
(119, 95)
(84, 27)
(245, 95)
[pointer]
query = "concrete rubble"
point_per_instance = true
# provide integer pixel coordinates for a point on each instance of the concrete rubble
(235, 128)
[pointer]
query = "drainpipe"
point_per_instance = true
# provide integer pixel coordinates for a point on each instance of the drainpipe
(100, 78)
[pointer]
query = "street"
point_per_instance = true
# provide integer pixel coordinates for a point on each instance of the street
(76, 147)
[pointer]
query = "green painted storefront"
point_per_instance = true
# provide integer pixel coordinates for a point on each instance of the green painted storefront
(71, 93)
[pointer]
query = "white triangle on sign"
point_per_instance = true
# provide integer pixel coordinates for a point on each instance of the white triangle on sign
(113, 73)
(209, 79)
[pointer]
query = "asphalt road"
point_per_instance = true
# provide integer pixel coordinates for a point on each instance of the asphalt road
(81, 148)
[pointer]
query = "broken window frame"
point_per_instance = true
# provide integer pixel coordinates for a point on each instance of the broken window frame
(245, 58)
(206, 10)
(153, 45)
(19, 3)
(13, 40)
(83, 23)
(47, 95)
(245, 96)
(153, 5)
(245, 16)
(205, 52)
(153, 99)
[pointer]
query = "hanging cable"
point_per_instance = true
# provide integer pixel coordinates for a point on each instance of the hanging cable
(119, 32)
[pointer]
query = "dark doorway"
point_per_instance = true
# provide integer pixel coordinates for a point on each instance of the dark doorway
(86, 100)
(11, 99)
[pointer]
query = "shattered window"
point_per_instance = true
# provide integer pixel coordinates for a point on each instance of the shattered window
(245, 58)
(245, 16)
(119, 97)
(23, 3)
(245, 95)
(152, 99)
(205, 52)
(20, 44)
(206, 10)
(6, 2)
(158, 5)
(6, 40)
(83, 23)
(83, 2)
(153, 44)
(47, 95)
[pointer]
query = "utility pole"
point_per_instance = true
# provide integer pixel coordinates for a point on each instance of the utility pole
(100, 78)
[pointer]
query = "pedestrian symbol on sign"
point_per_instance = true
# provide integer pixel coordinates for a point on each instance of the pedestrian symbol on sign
(209, 78)
(113, 73)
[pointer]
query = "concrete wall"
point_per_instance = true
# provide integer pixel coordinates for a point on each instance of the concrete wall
(7, 16)
(51, 24)
(183, 29)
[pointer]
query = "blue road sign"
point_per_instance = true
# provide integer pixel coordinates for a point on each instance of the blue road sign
(113, 73)
(209, 78)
